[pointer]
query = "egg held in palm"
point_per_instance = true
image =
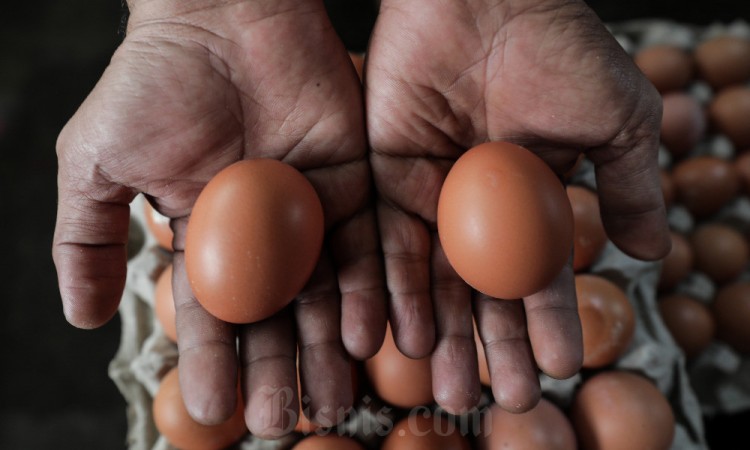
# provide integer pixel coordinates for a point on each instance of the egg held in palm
(253, 240)
(504, 220)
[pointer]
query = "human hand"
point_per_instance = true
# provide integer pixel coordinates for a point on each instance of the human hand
(442, 77)
(194, 87)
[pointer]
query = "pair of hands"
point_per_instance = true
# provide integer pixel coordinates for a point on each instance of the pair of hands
(198, 85)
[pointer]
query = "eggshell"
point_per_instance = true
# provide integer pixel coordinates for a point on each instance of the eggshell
(398, 380)
(303, 425)
(174, 423)
(721, 252)
(683, 123)
(617, 410)
(424, 431)
(730, 113)
(607, 320)
(589, 236)
(667, 187)
(544, 427)
(704, 184)
(164, 304)
(742, 165)
(158, 226)
(689, 321)
(328, 442)
(484, 369)
(668, 67)
(358, 60)
(575, 167)
(731, 309)
(504, 220)
(253, 240)
(678, 263)
(724, 60)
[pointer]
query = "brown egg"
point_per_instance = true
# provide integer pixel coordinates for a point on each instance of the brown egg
(678, 263)
(617, 410)
(731, 309)
(668, 67)
(576, 166)
(730, 113)
(689, 321)
(158, 226)
(724, 60)
(545, 427)
(704, 184)
(398, 380)
(484, 370)
(358, 59)
(174, 423)
(504, 220)
(424, 431)
(589, 236)
(742, 166)
(304, 425)
(667, 187)
(607, 320)
(328, 442)
(721, 252)
(683, 123)
(253, 239)
(164, 304)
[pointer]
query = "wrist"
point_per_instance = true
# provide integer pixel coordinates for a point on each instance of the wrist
(504, 7)
(214, 14)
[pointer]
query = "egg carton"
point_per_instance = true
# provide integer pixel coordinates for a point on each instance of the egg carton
(719, 376)
(652, 352)
(719, 381)
(146, 354)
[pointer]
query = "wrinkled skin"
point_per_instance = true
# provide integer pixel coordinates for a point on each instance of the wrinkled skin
(198, 85)
(187, 93)
(443, 76)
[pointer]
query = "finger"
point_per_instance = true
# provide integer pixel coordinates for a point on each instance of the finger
(628, 183)
(90, 246)
(406, 250)
(513, 373)
(554, 328)
(364, 310)
(325, 368)
(207, 354)
(455, 372)
(268, 351)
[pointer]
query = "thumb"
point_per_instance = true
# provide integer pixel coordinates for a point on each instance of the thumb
(90, 242)
(627, 175)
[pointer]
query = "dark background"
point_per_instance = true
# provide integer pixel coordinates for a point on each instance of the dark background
(54, 388)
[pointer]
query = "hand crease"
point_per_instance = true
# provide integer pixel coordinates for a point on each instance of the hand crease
(316, 297)
(254, 360)
(519, 338)
(184, 349)
(324, 345)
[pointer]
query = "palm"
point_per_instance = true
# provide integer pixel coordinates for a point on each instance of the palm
(176, 105)
(550, 79)
(196, 112)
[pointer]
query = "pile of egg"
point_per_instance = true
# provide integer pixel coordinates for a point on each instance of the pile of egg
(397, 409)
(701, 289)
(704, 289)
